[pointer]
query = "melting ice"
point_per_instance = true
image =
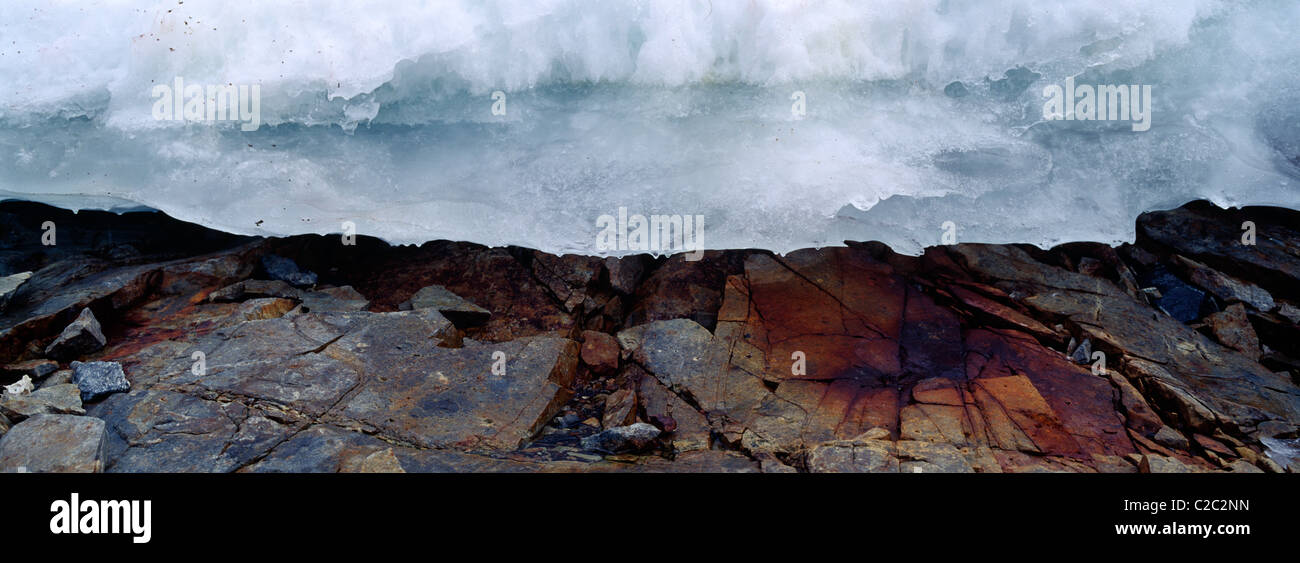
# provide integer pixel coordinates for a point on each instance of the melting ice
(915, 113)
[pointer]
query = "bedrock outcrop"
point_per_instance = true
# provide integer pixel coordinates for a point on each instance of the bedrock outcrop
(1180, 352)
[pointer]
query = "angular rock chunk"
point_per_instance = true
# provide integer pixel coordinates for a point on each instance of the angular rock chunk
(620, 408)
(334, 300)
(620, 439)
(460, 312)
(285, 269)
(9, 285)
(1224, 286)
(54, 443)
(599, 351)
(97, 380)
(57, 399)
(1232, 328)
(81, 337)
(247, 289)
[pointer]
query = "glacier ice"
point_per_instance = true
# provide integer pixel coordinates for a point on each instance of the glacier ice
(917, 113)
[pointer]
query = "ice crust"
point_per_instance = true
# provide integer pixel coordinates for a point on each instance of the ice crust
(379, 114)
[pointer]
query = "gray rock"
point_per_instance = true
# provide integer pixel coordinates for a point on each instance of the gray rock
(56, 399)
(9, 285)
(1243, 466)
(460, 312)
(1289, 311)
(285, 269)
(248, 289)
(162, 431)
(54, 443)
(97, 380)
(867, 456)
(1223, 286)
(81, 337)
(1170, 438)
(1082, 354)
(334, 300)
(57, 378)
(625, 272)
(620, 439)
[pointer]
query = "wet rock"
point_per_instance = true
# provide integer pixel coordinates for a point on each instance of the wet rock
(1179, 370)
(249, 289)
(1138, 414)
(326, 449)
(54, 443)
(1090, 266)
(621, 439)
(684, 426)
(1232, 328)
(9, 285)
(56, 399)
(1213, 236)
(286, 270)
(164, 431)
(568, 277)
(460, 312)
(599, 351)
(334, 300)
(1002, 313)
(1242, 466)
(97, 380)
(1180, 300)
(59, 377)
(1171, 438)
(262, 308)
(625, 272)
(438, 397)
(1152, 463)
(868, 456)
(769, 463)
(81, 337)
(620, 408)
(682, 289)
(56, 294)
(36, 369)
(1082, 353)
(1291, 312)
(1224, 286)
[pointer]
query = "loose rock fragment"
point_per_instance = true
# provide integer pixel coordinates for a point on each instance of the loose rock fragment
(285, 269)
(97, 380)
(460, 312)
(81, 337)
(56, 399)
(599, 351)
(9, 285)
(57, 443)
(622, 439)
